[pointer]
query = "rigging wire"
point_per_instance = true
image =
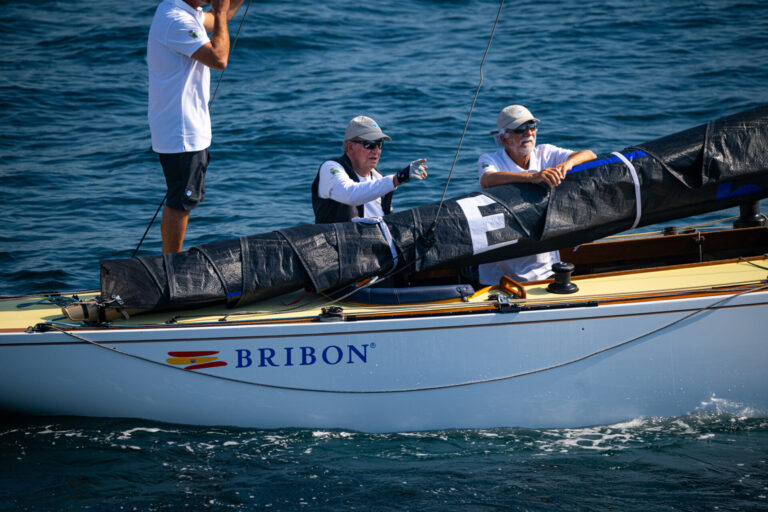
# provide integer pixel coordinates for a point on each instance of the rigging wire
(741, 258)
(210, 105)
(684, 228)
(231, 49)
(149, 225)
(466, 123)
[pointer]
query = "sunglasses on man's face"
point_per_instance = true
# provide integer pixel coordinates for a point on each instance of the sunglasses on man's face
(370, 144)
(530, 125)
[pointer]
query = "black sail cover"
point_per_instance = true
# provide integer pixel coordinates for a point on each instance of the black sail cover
(711, 167)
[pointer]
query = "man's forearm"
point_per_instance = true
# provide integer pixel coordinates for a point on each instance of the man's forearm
(493, 179)
(220, 39)
(579, 157)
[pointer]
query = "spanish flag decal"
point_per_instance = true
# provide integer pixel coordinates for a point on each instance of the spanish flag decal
(195, 360)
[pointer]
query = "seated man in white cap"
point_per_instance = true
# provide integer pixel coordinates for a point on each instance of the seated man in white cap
(350, 186)
(522, 161)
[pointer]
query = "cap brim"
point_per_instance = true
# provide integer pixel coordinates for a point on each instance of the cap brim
(372, 135)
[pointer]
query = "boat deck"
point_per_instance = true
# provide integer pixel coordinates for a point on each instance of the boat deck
(709, 278)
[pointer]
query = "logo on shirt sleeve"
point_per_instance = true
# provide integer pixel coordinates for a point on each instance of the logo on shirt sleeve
(485, 164)
(193, 34)
(335, 170)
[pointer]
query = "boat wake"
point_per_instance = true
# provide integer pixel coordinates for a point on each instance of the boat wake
(646, 432)
(721, 406)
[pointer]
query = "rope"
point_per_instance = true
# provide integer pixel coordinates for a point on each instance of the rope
(55, 299)
(330, 300)
(149, 225)
(425, 388)
(752, 263)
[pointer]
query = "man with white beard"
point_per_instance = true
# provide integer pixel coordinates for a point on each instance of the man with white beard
(522, 161)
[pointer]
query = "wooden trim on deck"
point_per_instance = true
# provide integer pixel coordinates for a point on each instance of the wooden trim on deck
(84, 332)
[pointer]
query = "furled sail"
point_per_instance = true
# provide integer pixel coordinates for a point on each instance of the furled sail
(711, 167)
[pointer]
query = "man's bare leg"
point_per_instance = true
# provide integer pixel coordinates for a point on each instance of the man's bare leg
(173, 227)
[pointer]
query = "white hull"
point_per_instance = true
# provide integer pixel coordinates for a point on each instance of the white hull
(521, 369)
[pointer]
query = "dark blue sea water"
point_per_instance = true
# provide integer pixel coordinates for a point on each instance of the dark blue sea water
(79, 183)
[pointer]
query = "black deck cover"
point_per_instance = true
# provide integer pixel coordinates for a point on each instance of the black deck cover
(711, 167)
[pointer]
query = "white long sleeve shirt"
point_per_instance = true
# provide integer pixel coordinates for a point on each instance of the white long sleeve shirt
(335, 184)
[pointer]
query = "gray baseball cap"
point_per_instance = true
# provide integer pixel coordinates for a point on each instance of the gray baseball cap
(513, 116)
(364, 128)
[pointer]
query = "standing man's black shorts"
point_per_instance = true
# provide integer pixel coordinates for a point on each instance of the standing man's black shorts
(185, 178)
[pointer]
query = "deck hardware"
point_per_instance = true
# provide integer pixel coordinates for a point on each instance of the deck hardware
(119, 304)
(699, 242)
(559, 305)
(562, 283)
(749, 216)
(502, 301)
(41, 327)
(331, 314)
(512, 287)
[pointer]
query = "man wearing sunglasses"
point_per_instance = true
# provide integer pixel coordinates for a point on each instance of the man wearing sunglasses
(350, 186)
(521, 161)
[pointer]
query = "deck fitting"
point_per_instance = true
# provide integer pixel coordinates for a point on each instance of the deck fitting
(562, 283)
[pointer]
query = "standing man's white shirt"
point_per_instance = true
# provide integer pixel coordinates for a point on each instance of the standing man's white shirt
(335, 184)
(535, 266)
(179, 86)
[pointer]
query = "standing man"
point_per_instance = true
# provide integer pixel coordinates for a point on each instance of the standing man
(522, 161)
(350, 186)
(179, 57)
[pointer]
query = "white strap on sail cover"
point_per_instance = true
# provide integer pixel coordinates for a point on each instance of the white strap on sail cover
(633, 172)
(384, 231)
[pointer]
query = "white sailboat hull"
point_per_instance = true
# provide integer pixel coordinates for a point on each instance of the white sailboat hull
(547, 368)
